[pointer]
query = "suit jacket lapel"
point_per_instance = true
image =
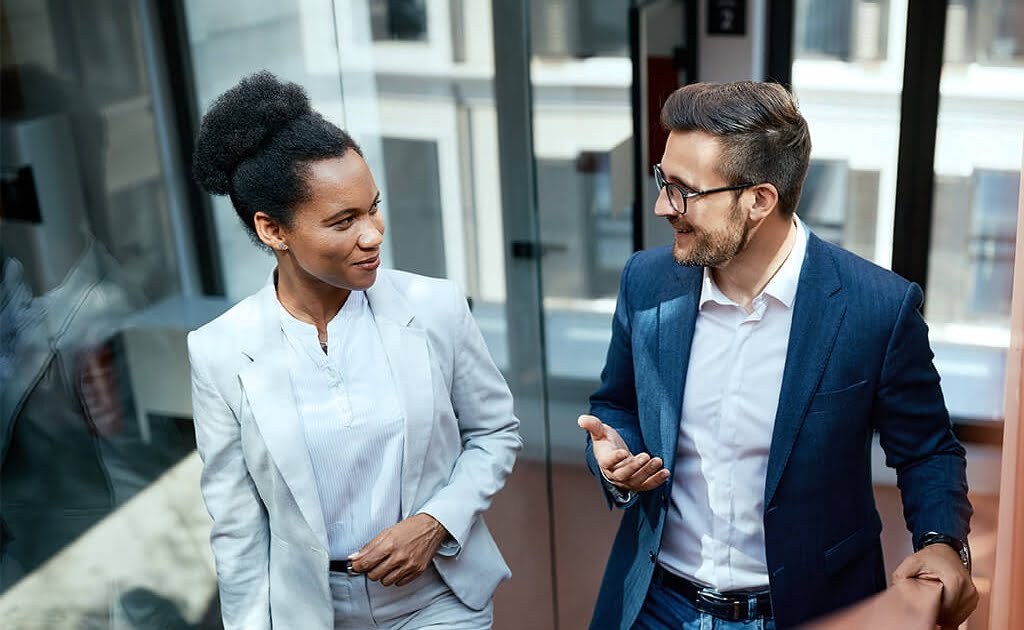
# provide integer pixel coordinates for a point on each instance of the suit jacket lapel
(409, 361)
(818, 311)
(267, 387)
(677, 318)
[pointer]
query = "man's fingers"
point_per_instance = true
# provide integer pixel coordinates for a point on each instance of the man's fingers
(909, 568)
(639, 473)
(609, 461)
(625, 469)
(654, 481)
(592, 425)
(637, 469)
(644, 472)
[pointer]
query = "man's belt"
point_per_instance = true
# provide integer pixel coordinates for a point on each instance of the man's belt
(733, 606)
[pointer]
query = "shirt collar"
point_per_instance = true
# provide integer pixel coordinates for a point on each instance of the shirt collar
(783, 284)
(351, 309)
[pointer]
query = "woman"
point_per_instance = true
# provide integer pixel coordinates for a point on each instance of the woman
(352, 425)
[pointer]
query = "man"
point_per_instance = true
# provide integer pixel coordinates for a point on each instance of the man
(749, 366)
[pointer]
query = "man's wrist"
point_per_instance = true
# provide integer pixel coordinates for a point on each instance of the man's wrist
(620, 494)
(959, 546)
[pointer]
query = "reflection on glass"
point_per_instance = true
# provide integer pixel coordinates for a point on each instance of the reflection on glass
(86, 253)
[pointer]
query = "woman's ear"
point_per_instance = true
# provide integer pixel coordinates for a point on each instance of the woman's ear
(270, 231)
(766, 201)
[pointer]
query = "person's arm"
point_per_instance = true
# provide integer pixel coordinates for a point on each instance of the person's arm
(917, 437)
(490, 440)
(615, 450)
(240, 537)
(489, 429)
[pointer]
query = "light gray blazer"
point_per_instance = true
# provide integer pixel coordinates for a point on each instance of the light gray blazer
(461, 439)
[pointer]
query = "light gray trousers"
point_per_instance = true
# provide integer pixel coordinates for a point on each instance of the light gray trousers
(426, 602)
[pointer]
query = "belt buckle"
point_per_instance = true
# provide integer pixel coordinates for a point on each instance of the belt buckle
(348, 568)
(716, 599)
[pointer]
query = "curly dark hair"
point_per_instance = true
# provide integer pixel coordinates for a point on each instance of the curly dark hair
(256, 143)
(763, 135)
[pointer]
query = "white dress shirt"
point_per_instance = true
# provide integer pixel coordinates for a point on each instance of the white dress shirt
(714, 531)
(352, 422)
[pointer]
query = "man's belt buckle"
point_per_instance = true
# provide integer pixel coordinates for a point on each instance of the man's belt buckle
(718, 604)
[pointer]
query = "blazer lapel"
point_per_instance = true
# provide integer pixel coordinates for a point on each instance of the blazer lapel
(267, 387)
(818, 311)
(409, 361)
(677, 317)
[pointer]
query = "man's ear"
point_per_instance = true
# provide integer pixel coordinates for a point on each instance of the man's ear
(269, 231)
(766, 201)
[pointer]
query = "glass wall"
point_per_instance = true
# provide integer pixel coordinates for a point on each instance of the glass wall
(847, 75)
(99, 520)
(581, 74)
(979, 138)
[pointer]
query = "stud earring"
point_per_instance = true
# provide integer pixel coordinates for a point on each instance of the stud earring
(282, 246)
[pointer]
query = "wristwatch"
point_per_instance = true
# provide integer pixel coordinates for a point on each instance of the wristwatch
(960, 546)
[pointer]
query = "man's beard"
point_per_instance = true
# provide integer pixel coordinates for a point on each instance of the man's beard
(711, 249)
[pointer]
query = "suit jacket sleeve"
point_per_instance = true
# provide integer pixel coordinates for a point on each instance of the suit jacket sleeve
(915, 431)
(615, 402)
(240, 537)
(489, 428)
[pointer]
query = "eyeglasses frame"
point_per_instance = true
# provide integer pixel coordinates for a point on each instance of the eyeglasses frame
(662, 182)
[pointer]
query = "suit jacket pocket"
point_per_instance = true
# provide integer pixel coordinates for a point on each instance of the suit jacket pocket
(838, 398)
(853, 546)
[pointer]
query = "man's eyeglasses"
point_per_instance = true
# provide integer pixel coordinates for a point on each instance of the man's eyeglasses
(677, 196)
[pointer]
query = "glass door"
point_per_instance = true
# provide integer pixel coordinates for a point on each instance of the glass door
(439, 105)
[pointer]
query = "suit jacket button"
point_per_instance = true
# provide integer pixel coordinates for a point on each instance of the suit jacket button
(654, 558)
(664, 499)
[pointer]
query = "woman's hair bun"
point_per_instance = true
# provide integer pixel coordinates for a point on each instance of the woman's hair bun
(242, 121)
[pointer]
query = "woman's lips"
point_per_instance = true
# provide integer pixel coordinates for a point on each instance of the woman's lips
(369, 265)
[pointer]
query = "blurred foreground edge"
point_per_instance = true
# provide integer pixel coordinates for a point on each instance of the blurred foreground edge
(906, 605)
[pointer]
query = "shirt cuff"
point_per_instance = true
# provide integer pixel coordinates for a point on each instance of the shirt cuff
(618, 495)
(449, 547)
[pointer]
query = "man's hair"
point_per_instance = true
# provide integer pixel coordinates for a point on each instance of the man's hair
(763, 136)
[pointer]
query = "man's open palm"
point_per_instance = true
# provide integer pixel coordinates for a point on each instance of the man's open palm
(637, 473)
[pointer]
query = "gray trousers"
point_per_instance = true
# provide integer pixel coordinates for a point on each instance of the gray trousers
(426, 602)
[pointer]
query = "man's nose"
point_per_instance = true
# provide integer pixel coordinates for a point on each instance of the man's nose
(662, 208)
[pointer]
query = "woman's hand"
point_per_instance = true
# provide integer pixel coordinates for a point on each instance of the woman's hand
(400, 554)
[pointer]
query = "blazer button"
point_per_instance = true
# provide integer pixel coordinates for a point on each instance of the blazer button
(664, 499)
(654, 558)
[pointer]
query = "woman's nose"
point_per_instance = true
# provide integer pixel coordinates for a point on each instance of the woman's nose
(371, 237)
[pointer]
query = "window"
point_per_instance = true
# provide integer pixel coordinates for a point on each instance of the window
(402, 20)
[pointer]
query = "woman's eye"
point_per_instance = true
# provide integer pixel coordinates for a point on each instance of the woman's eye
(344, 223)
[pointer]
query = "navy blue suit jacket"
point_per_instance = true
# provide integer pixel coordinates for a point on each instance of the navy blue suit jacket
(858, 362)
